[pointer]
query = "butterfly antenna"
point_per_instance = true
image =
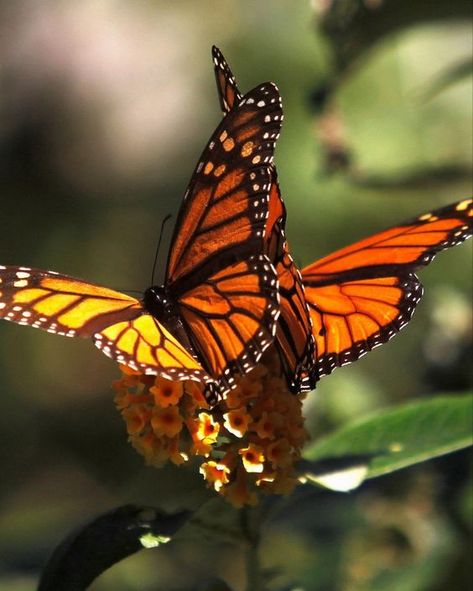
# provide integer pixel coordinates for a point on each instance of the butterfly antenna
(168, 217)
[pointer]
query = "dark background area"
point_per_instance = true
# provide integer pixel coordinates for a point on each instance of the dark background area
(105, 107)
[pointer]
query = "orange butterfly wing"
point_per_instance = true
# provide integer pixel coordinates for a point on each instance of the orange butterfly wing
(223, 214)
(219, 228)
(117, 323)
(362, 295)
(294, 335)
(231, 314)
(227, 89)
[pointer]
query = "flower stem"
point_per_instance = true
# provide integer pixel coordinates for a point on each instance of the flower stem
(250, 525)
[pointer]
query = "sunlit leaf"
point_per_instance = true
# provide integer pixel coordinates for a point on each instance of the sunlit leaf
(390, 440)
(109, 538)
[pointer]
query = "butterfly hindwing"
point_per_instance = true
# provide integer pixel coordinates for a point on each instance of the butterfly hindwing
(147, 346)
(294, 335)
(362, 295)
(231, 317)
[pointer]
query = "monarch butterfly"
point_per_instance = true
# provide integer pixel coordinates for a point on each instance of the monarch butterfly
(294, 336)
(362, 295)
(358, 297)
(216, 312)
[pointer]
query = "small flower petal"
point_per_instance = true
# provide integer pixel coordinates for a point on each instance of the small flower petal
(237, 421)
(252, 458)
(216, 474)
(166, 421)
(166, 392)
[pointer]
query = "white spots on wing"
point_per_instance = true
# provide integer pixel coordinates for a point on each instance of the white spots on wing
(20, 283)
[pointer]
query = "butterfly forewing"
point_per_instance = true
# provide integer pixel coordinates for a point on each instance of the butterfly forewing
(228, 93)
(294, 335)
(117, 323)
(225, 208)
(362, 295)
(59, 303)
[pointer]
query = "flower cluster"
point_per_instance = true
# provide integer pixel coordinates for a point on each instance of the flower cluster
(249, 441)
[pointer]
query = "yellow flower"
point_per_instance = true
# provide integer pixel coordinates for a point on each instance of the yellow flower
(166, 393)
(237, 421)
(252, 458)
(166, 421)
(175, 455)
(151, 448)
(216, 474)
(208, 429)
(250, 439)
(238, 493)
(136, 418)
(267, 424)
(279, 453)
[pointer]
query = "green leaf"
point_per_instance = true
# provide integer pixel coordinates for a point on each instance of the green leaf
(390, 440)
(107, 539)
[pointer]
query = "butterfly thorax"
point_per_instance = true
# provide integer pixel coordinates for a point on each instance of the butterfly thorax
(161, 304)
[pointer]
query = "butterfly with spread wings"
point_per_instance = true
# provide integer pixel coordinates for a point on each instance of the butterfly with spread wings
(360, 296)
(294, 336)
(216, 312)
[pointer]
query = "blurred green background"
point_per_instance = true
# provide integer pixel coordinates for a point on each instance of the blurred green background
(105, 107)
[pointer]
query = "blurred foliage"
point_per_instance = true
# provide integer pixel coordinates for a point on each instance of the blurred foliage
(105, 107)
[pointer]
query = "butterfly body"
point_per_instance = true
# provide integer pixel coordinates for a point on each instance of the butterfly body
(158, 301)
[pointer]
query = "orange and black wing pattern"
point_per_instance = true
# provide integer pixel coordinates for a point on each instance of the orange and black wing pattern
(116, 322)
(212, 267)
(294, 334)
(294, 337)
(362, 295)
(228, 93)
(224, 211)
(231, 317)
